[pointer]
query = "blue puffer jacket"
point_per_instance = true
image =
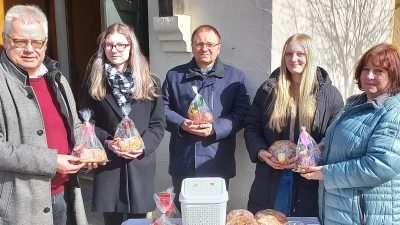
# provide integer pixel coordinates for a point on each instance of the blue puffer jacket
(362, 153)
(225, 94)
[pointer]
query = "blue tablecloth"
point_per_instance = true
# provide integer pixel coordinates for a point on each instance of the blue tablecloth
(305, 220)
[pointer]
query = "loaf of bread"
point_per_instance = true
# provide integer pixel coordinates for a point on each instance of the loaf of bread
(270, 217)
(128, 144)
(92, 156)
(242, 221)
(238, 213)
(282, 151)
(202, 117)
(306, 159)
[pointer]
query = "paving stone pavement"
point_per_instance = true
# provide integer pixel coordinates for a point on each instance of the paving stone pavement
(86, 181)
(93, 218)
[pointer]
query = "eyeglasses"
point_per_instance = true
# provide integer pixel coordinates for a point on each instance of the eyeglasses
(201, 45)
(119, 47)
(22, 43)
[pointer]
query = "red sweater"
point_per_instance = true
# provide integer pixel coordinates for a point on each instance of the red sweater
(56, 132)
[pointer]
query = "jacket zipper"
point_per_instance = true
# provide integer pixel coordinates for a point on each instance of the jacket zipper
(212, 97)
(361, 207)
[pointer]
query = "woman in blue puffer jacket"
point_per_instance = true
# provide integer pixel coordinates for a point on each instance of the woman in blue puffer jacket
(360, 183)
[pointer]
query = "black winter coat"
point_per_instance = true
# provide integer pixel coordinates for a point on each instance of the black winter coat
(258, 136)
(123, 185)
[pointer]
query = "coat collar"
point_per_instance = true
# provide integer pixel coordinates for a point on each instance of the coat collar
(194, 70)
(13, 71)
(362, 98)
(111, 100)
(18, 74)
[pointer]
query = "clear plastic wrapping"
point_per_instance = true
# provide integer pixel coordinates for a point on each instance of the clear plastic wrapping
(198, 110)
(127, 137)
(165, 207)
(88, 147)
(282, 151)
(307, 153)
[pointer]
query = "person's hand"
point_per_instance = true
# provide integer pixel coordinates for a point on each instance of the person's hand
(66, 164)
(320, 147)
(203, 130)
(316, 173)
(266, 157)
(90, 166)
(291, 163)
(129, 155)
(186, 125)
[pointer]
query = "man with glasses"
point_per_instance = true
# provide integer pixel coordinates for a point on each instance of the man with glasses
(207, 149)
(38, 127)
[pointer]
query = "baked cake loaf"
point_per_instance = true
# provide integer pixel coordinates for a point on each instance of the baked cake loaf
(92, 156)
(241, 220)
(238, 213)
(128, 144)
(270, 217)
(282, 150)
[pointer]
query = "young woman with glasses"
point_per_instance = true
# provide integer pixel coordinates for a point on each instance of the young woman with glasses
(118, 74)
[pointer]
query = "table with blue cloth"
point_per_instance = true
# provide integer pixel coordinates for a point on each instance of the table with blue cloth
(305, 220)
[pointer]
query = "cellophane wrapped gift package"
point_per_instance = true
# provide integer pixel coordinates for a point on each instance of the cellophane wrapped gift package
(198, 111)
(307, 153)
(165, 207)
(282, 151)
(88, 147)
(127, 137)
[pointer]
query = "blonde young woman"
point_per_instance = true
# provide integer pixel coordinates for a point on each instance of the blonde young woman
(298, 93)
(118, 75)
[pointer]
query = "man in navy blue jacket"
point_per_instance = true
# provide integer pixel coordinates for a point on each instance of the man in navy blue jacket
(207, 149)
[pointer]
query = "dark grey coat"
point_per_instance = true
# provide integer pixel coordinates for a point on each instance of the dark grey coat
(26, 164)
(258, 136)
(123, 185)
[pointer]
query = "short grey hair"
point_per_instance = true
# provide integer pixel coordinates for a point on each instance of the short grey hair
(28, 14)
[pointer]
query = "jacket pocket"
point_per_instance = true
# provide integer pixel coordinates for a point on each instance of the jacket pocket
(5, 193)
(361, 207)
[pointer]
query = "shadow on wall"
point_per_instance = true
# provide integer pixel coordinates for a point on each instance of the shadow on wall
(352, 28)
(343, 30)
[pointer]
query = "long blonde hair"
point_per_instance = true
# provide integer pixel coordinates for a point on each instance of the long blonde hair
(143, 88)
(283, 97)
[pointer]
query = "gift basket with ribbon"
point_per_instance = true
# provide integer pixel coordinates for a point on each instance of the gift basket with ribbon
(127, 137)
(165, 207)
(88, 147)
(198, 111)
(307, 153)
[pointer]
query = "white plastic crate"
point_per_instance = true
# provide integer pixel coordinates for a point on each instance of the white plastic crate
(203, 201)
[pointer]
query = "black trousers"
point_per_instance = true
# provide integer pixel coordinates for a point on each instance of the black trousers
(115, 218)
(177, 183)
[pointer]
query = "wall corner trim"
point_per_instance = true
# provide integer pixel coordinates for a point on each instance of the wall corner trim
(173, 32)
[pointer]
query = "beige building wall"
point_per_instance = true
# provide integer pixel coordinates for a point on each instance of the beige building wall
(342, 30)
(396, 24)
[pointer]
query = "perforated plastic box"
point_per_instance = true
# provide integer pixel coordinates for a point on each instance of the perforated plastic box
(203, 201)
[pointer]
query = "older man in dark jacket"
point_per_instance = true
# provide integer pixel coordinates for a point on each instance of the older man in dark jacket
(38, 126)
(207, 149)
